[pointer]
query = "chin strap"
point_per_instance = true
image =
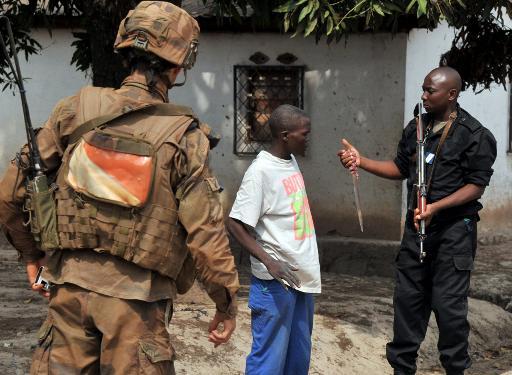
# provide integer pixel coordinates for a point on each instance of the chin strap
(184, 80)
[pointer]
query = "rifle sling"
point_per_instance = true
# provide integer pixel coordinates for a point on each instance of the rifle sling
(446, 130)
(159, 109)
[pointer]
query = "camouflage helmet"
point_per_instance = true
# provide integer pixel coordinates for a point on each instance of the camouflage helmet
(163, 29)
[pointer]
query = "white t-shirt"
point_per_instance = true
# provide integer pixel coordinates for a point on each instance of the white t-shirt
(272, 199)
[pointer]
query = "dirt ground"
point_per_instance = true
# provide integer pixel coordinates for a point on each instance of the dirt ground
(353, 322)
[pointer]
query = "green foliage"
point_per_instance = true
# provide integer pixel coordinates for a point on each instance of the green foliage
(336, 18)
(99, 20)
(20, 15)
(257, 12)
(82, 55)
(480, 50)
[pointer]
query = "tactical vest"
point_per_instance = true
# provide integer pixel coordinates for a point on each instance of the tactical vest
(150, 236)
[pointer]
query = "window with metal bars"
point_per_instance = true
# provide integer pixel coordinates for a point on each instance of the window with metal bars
(258, 91)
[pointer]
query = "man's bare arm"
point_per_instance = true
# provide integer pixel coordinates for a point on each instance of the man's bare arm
(278, 269)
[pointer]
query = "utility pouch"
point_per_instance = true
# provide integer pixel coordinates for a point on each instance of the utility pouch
(112, 167)
(186, 276)
(40, 204)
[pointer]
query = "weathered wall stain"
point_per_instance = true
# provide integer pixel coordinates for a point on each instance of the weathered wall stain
(496, 223)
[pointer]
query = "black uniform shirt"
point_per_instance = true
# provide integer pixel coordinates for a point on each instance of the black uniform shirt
(466, 157)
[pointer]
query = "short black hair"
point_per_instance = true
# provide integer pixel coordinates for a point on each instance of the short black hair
(285, 118)
(151, 64)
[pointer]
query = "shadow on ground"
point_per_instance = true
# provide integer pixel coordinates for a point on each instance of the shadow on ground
(353, 322)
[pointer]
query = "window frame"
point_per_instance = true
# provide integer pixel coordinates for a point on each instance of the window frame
(252, 148)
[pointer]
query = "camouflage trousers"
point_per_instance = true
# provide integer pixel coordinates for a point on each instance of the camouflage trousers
(90, 333)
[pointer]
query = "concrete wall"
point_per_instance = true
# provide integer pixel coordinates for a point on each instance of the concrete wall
(344, 96)
(358, 90)
(354, 89)
(491, 108)
(49, 78)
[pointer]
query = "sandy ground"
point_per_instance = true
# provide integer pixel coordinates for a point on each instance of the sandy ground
(352, 325)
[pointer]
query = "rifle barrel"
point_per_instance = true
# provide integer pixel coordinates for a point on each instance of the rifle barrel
(35, 159)
(421, 183)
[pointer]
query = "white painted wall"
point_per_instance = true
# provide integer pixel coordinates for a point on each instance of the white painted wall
(358, 90)
(349, 89)
(50, 77)
(491, 108)
(355, 90)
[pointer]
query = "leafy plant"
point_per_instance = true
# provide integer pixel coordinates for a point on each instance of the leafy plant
(480, 50)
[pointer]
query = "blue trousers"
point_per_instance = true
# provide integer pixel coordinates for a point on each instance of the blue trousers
(281, 324)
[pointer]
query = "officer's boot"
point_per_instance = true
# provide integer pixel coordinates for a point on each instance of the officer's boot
(401, 372)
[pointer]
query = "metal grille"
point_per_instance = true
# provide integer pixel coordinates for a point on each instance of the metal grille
(258, 91)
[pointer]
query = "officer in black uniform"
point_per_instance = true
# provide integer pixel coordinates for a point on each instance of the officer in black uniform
(459, 170)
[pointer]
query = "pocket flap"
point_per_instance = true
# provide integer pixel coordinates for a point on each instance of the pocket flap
(125, 179)
(156, 352)
(43, 334)
(463, 262)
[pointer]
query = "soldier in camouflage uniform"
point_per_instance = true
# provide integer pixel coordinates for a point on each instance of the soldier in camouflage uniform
(120, 265)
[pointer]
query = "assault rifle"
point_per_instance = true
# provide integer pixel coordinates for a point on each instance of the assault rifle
(39, 202)
(421, 185)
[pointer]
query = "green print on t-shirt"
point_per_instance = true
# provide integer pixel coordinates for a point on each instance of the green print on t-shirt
(302, 220)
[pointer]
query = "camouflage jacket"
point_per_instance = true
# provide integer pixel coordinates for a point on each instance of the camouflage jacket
(206, 238)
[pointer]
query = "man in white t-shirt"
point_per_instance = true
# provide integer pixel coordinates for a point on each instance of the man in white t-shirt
(284, 255)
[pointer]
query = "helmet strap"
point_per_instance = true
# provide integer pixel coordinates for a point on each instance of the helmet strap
(179, 84)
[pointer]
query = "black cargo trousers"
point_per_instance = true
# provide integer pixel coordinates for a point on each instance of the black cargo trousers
(439, 284)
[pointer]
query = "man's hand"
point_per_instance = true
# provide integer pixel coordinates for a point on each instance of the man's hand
(283, 271)
(32, 268)
(221, 337)
(430, 211)
(349, 157)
